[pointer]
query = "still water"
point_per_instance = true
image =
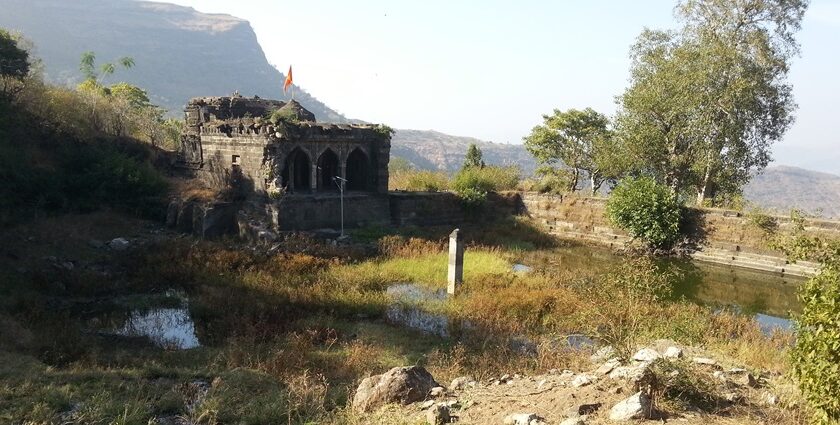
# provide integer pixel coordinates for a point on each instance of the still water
(770, 298)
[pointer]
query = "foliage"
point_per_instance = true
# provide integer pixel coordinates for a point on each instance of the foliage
(284, 116)
(764, 222)
(14, 64)
(553, 180)
(706, 103)
(473, 183)
(399, 164)
(384, 131)
(422, 181)
(646, 210)
(623, 300)
(816, 354)
(473, 158)
(580, 140)
(93, 77)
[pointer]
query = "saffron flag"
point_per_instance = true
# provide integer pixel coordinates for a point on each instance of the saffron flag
(288, 80)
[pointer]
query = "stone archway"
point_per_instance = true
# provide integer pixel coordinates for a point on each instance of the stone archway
(328, 169)
(297, 172)
(358, 171)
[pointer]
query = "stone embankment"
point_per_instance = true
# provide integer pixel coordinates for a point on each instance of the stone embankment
(611, 391)
(720, 236)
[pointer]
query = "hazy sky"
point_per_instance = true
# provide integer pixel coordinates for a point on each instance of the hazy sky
(490, 69)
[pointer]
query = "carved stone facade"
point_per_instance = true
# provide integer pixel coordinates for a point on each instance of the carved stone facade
(290, 153)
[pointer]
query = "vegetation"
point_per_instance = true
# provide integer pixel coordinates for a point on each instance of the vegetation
(706, 103)
(14, 65)
(473, 184)
(56, 155)
(579, 140)
(647, 210)
(473, 158)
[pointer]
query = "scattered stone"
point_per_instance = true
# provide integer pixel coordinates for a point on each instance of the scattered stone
(522, 419)
(583, 409)
(504, 378)
(744, 378)
(634, 407)
(554, 371)
(719, 375)
(461, 382)
(608, 366)
(673, 353)
(583, 379)
(603, 354)
(437, 392)
(733, 397)
(630, 373)
(704, 361)
(567, 374)
(119, 244)
(438, 415)
(646, 355)
(399, 385)
(427, 404)
(541, 383)
(770, 399)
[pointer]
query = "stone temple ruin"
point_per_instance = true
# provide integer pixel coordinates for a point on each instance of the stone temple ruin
(293, 154)
(287, 163)
(285, 167)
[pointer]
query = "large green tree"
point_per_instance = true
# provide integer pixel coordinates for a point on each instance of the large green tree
(14, 64)
(706, 103)
(578, 139)
(474, 157)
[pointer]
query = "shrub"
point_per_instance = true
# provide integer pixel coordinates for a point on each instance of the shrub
(816, 354)
(419, 181)
(764, 222)
(646, 210)
(473, 183)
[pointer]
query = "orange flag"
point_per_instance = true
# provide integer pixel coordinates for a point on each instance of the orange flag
(288, 80)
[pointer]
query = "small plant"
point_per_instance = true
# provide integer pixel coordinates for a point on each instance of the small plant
(422, 181)
(764, 222)
(284, 116)
(646, 210)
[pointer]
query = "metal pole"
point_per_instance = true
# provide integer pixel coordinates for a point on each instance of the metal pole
(341, 186)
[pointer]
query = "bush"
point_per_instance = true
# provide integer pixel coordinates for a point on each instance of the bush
(646, 210)
(473, 183)
(419, 181)
(816, 354)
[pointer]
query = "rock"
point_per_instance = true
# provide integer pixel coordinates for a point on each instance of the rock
(119, 244)
(646, 355)
(630, 373)
(770, 399)
(673, 353)
(437, 392)
(634, 407)
(567, 374)
(608, 367)
(461, 382)
(427, 404)
(399, 385)
(744, 378)
(522, 419)
(704, 361)
(437, 415)
(96, 244)
(583, 379)
(504, 378)
(583, 409)
(603, 354)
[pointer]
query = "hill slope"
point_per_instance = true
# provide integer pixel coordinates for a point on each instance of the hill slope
(438, 151)
(179, 52)
(781, 188)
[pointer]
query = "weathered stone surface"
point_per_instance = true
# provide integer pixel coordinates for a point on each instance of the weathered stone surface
(634, 407)
(673, 352)
(575, 420)
(438, 415)
(522, 419)
(437, 392)
(603, 354)
(583, 379)
(704, 361)
(398, 385)
(119, 244)
(608, 367)
(631, 373)
(646, 355)
(461, 382)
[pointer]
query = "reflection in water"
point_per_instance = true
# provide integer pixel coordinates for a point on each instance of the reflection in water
(521, 268)
(408, 309)
(769, 297)
(170, 328)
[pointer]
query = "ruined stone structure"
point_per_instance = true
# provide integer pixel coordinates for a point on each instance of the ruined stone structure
(291, 153)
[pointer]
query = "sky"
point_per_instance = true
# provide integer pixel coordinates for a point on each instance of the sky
(490, 69)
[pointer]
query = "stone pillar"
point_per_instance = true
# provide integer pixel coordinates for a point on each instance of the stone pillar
(456, 262)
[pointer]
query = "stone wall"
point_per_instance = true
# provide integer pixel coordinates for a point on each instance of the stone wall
(723, 236)
(441, 208)
(324, 212)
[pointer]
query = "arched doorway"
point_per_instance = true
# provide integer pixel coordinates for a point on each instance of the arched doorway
(297, 172)
(357, 170)
(327, 170)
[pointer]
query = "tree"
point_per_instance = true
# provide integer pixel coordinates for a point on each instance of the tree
(706, 103)
(93, 77)
(646, 210)
(473, 157)
(14, 64)
(580, 140)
